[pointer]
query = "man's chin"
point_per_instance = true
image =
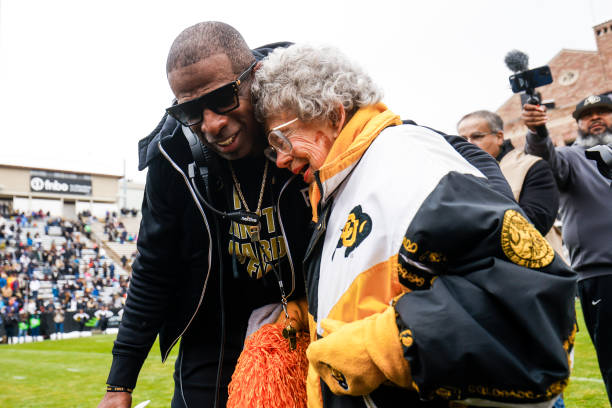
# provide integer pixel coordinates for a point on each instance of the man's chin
(240, 152)
(590, 140)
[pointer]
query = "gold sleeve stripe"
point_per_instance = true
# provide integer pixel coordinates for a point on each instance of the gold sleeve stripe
(371, 292)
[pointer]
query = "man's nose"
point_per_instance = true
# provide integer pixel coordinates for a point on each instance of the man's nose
(212, 122)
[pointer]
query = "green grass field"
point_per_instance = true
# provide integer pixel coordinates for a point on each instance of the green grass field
(72, 373)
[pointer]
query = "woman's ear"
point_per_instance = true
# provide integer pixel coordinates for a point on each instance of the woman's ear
(341, 117)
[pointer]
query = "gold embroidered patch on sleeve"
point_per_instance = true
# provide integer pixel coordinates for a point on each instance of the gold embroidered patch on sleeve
(523, 244)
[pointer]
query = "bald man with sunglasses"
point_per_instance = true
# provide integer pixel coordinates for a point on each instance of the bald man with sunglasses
(220, 237)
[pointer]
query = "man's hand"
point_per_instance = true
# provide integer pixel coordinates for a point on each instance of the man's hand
(116, 400)
(534, 116)
(355, 358)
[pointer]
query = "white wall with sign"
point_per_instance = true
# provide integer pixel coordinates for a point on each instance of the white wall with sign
(54, 207)
(97, 209)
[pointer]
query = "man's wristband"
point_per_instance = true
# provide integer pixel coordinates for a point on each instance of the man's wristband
(114, 388)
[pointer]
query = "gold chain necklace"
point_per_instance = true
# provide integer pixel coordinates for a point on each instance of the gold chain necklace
(253, 230)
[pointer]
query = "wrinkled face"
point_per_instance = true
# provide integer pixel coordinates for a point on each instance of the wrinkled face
(232, 135)
(311, 142)
(595, 121)
(477, 131)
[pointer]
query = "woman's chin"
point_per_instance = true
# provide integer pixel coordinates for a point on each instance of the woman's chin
(308, 175)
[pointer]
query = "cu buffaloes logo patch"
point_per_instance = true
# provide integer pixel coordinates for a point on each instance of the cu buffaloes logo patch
(357, 228)
(523, 244)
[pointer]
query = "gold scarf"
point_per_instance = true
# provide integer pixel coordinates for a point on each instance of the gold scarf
(351, 144)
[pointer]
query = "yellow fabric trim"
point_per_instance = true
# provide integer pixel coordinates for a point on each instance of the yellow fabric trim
(313, 381)
(354, 139)
(385, 348)
(371, 292)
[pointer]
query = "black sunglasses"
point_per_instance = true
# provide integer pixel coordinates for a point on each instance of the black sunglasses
(221, 100)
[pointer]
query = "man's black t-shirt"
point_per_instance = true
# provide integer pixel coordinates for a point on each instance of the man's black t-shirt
(249, 282)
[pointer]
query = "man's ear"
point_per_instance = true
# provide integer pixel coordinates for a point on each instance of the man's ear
(257, 66)
(500, 137)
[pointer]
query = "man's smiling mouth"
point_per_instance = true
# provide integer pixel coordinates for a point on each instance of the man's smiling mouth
(227, 141)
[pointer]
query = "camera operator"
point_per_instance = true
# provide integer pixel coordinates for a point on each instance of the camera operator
(586, 213)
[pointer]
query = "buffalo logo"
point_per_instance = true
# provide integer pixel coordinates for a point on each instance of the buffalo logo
(357, 228)
(523, 244)
(406, 338)
(338, 376)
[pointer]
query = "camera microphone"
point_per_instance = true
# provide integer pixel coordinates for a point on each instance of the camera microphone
(517, 61)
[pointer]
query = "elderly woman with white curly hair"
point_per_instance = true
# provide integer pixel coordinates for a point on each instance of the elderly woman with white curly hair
(425, 286)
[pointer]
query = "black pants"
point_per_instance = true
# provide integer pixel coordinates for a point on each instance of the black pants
(195, 375)
(596, 300)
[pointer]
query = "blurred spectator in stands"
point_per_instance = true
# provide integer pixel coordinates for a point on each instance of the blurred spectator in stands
(11, 320)
(124, 261)
(34, 287)
(37, 241)
(3, 337)
(87, 231)
(58, 319)
(34, 322)
(103, 315)
(81, 318)
(31, 306)
(23, 326)
(91, 305)
(3, 281)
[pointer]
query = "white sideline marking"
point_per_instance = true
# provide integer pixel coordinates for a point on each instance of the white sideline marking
(73, 370)
(18, 377)
(586, 379)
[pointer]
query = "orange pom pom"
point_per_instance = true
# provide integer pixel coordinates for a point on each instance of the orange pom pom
(269, 373)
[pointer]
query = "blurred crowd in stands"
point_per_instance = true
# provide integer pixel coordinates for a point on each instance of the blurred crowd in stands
(115, 230)
(55, 277)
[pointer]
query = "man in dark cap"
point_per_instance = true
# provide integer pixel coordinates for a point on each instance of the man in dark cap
(586, 213)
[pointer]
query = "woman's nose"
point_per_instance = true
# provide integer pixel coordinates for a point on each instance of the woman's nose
(282, 159)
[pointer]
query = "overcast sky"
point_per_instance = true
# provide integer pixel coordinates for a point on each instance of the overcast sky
(82, 81)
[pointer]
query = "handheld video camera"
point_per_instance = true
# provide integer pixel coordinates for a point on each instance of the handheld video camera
(527, 80)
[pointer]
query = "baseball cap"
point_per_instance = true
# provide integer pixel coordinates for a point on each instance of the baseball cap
(593, 101)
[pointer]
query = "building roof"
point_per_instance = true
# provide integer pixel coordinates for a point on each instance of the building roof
(21, 167)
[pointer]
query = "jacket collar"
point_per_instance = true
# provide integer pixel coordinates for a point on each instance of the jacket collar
(351, 144)
(147, 146)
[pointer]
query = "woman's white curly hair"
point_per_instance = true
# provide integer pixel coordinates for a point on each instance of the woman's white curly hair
(310, 82)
